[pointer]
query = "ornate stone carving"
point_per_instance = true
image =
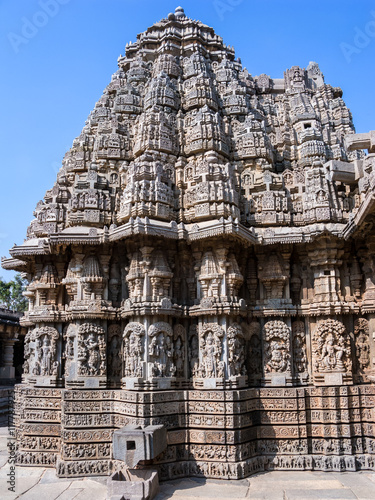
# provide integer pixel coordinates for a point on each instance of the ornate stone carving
(276, 335)
(133, 350)
(160, 350)
(179, 350)
(91, 350)
(273, 276)
(115, 355)
(210, 233)
(236, 351)
(362, 345)
(211, 364)
(41, 354)
(70, 333)
(255, 350)
(299, 347)
(193, 351)
(331, 349)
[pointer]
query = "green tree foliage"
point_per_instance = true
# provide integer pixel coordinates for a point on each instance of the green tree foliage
(11, 294)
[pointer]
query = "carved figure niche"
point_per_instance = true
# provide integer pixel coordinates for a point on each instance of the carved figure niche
(254, 361)
(47, 286)
(161, 351)
(362, 349)
(135, 276)
(331, 354)
(236, 351)
(134, 365)
(114, 354)
(160, 275)
(193, 351)
(276, 348)
(92, 279)
(179, 350)
(299, 352)
(234, 276)
(272, 275)
(211, 347)
(70, 347)
(71, 279)
(41, 366)
(209, 276)
(90, 360)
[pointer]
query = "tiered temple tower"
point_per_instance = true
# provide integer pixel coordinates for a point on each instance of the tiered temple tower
(204, 261)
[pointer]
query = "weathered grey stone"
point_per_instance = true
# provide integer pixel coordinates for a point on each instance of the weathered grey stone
(134, 444)
(136, 484)
(361, 141)
(10, 334)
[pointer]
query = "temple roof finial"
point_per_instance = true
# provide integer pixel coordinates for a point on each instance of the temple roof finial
(179, 12)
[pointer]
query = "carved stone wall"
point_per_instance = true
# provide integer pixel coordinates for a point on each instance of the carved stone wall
(205, 262)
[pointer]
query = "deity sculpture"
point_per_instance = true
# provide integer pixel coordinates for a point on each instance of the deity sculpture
(331, 347)
(46, 357)
(211, 348)
(331, 358)
(133, 350)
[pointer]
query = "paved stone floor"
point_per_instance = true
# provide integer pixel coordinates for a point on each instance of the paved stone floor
(39, 483)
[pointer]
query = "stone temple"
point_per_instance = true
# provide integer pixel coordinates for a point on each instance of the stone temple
(204, 262)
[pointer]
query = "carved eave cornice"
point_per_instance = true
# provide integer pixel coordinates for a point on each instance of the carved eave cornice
(36, 246)
(302, 234)
(164, 307)
(147, 226)
(208, 307)
(221, 227)
(9, 318)
(44, 315)
(80, 315)
(366, 208)
(25, 322)
(329, 308)
(11, 264)
(79, 235)
(262, 236)
(266, 310)
(10, 327)
(171, 230)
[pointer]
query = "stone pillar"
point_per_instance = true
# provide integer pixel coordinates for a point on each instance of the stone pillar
(8, 337)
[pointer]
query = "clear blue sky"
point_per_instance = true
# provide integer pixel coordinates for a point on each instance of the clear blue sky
(52, 77)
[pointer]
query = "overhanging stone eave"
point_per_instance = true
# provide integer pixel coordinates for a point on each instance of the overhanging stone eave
(189, 232)
(219, 228)
(27, 249)
(12, 264)
(94, 238)
(301, 234)
(149, 227)
(366, 208)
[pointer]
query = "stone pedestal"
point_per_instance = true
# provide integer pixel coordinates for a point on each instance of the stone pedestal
(7, 372)
(132, 444)
(333, 379)
(133, 483)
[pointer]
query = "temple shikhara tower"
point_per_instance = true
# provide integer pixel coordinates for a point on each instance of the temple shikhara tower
(205, 261)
